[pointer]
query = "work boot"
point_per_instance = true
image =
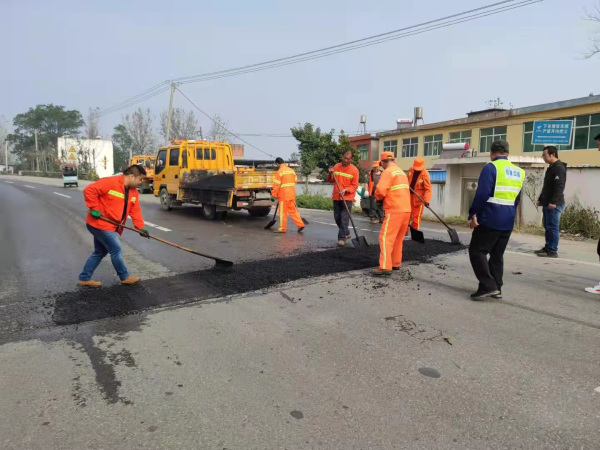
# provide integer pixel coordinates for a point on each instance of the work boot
(381, 220)
(396, 268)
(348, 237)
(279, 231)
(541, 250)
(548, 255)
(301, 229)
(498, 296)
(482, 293)
(89, 283)
(373, 220)
(130, 281)
(341, 243)
(381, 272)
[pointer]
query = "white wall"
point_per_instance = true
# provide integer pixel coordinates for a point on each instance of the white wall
(583, 185)
(11, 168)
(102, 148)
(437, 200)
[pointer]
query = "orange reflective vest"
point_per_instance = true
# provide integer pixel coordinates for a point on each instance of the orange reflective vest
(393, 190)
(422, 186)
(284, 186)
(107, 195)
(347, 178)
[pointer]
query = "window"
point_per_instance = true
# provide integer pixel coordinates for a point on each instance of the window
(410, 147)
(489, 135)
(391, 146)
(363, 151)
(433, 145)
(184, 156)
(174, 157)
(461, 137)
(209, 154)
(161, 160)
(527, 138)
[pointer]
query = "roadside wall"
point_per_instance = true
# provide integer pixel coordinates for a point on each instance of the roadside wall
(583, 185)
(437, 200)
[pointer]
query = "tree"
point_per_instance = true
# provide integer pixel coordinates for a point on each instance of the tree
(49, 122)
(218, 131)
(183, 125)
(122, 142)
(92, 123)
(140, 126)
(313, 146)
(593, 16)
(533, 183)
(295, 156)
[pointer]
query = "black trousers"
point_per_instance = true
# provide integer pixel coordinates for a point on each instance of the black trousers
(342, 218)
(486, 241)
(376, 210)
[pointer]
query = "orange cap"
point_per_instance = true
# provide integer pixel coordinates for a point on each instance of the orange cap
(387, 155)
(419, 164)
(376, 164)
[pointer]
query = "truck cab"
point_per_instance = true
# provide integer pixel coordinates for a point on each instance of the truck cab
(204, 173)
(147, 162)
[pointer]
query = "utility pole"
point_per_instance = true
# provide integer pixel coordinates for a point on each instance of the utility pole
(6, 156)
(37, 158)
(201, 136)
(168, 136)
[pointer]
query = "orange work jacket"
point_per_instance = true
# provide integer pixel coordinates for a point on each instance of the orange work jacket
(347, 178)
(284, 186)
(393, 190)
(107, 195)
(422, 186)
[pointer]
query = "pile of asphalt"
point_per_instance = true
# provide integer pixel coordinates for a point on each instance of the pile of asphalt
(85, 304)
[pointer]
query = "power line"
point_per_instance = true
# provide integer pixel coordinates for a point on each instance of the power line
(447, 21)
(220, 125)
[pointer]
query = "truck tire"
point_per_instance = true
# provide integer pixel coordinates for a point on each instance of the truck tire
(209, 212)
(165, 200)
(259, 211)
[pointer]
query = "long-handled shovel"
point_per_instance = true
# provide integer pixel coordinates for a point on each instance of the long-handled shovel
(360, 243)
(219, 262)
(272, 222)
(454, 239)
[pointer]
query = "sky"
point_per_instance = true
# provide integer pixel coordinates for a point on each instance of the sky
(84, 54)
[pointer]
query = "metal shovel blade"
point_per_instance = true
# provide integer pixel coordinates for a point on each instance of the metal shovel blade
(359, 243)
(417, 235)
(454, 239)
(270, 224)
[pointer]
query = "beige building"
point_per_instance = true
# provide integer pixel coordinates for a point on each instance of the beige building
(481, 128)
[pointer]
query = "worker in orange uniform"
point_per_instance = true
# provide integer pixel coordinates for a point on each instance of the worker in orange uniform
(375, 209)
(393, 190)
(284, 190)
(347, 176)
(115, 198)
(419, 181)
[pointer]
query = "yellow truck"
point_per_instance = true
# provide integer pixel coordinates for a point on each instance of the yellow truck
(148, 162)
(204, 173)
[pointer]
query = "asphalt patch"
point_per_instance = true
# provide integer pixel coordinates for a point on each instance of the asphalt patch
(85, 305)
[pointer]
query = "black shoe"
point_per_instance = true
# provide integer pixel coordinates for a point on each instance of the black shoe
(301, 229)
(481, 294)
(498, 296)
(541, 250)
(395, 268)
(548, 255)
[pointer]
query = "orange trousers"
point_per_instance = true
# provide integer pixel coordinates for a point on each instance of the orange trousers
(391, 239)
(289, 207)
(416, 214)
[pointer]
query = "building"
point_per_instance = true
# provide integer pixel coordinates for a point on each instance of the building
(368, 147)
(95, 153)
(479, 129)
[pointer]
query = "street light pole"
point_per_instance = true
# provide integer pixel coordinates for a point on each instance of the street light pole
(37, 158)
(6, 156)
(170, 115)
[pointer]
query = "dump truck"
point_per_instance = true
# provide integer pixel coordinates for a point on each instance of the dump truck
(204, 173)
(148, 162)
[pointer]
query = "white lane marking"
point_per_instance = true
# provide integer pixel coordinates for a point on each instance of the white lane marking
(9, 182)
(325, 223)
(597, 389)
(151, 224)
(162, 229)
(26, 185)
(62, 195)
(573, 261)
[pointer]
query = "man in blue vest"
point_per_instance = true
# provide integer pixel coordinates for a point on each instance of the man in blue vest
(492, 217)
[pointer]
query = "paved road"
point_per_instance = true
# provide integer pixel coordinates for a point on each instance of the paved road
(274, 361)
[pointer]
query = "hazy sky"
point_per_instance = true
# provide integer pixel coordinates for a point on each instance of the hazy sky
(83, 54)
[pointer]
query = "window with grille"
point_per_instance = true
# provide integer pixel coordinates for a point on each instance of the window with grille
(489, 135)
(391, 146)
(410, 147)
(433, 145)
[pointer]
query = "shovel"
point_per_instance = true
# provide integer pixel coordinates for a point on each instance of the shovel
(454, 239)
(219, 262)
(360, 243)
(272, 222)
(417, 235)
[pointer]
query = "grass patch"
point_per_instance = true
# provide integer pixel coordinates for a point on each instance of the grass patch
(314, 201)
(580, 221)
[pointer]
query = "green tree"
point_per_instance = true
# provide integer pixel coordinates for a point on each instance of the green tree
(313, 146)
(49, 122)
(334, 156)
(122, 142)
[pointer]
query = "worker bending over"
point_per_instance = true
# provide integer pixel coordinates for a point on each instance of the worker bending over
(393, 190)
(346, 175)
(420, 183)
(110, 197)
(284, 190)
(375, 210)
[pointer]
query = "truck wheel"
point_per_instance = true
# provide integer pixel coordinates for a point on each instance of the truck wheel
(165, 200)
(209, 212)
(261, 211)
